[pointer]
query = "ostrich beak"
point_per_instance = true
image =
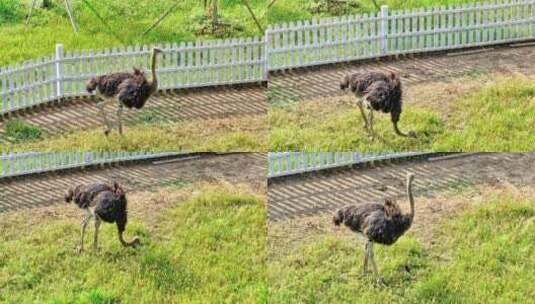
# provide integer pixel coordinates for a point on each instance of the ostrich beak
(157, 50)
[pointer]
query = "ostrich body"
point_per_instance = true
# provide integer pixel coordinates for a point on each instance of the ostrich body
(376, 91)
(131, 90)
(379, 223)
(102, 202)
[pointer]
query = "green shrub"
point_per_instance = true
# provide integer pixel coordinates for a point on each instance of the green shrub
(19, 131)
(10, 11)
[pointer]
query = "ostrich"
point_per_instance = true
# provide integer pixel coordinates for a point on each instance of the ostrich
(102, 202)
(379, 92)
(379, 223)
(131, 90)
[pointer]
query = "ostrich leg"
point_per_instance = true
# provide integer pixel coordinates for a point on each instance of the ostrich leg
(120, 117)
(366, 258)
(100, 106)
(85, 221)
(370, 123)
(97, 226)
(380, 279)
(359, 103)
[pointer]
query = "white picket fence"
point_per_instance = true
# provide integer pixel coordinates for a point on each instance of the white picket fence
(17, 164)
(346, 38)
(288, 45)
(184, 65)
(290, 163)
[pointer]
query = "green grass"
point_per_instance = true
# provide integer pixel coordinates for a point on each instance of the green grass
(209, 249)
(247, 134)
(295, 10)
(127, 21)
(499, 117)
(18, 131)
(485, 255)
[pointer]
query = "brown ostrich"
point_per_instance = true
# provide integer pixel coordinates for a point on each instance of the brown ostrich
(131, 90)
(103, 202)
(379, 92)
(379, 223)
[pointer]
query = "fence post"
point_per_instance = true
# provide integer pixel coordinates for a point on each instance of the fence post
(59, 70)
(384, 29)
(266, 53)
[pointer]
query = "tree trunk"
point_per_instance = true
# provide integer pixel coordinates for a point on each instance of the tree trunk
(214, 15)
(46, 4)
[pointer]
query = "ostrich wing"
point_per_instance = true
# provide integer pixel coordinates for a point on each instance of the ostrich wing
(134, 92)
(355, 216)
(382, 96)
(84, 194)
(109, 206)
(360, 82)
(108, 85)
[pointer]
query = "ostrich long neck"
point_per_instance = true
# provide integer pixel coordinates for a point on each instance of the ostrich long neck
(154, 81)
(411, 198)
(127, 243)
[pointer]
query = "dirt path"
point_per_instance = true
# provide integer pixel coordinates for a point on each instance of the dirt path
(205, 104)
(315, 194)
(48, 189)
(317, 82)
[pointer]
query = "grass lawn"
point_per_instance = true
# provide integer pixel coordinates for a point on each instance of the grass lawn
(126, 21)
(295, 10)
(500, 116)
(246, 134)
(484, 254)
(207, 247)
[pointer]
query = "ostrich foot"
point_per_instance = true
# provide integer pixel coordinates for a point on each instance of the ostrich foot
(80, 250)
(106, 132)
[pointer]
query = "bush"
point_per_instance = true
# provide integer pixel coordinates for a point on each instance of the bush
(10, 11)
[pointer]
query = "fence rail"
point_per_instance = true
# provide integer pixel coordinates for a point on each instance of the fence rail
(290, 163)
(287, 45)
(18, 164)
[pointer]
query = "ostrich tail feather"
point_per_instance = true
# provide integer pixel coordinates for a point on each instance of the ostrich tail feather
(338, 218)
(91, 85)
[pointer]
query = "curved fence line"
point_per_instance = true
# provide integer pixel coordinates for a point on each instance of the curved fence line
(18, 164)
(290, 163)
(283, 46)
